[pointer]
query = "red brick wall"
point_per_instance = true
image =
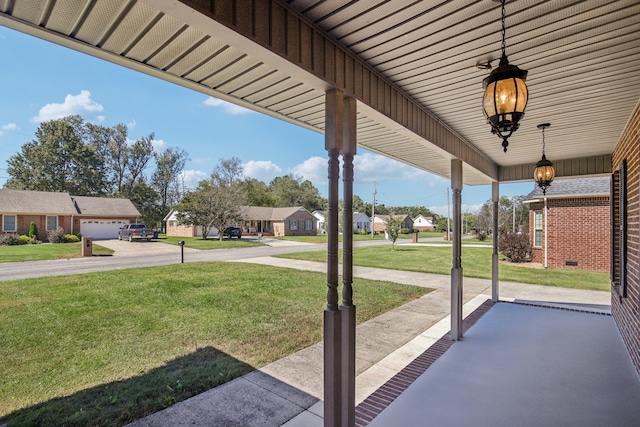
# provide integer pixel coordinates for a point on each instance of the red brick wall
(625, 310)
(578, 232)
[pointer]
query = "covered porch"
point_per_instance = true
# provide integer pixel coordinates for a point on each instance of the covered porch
(404, 79)
(519, 364)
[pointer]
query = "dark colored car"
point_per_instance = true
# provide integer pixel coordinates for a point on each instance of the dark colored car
(232, 232)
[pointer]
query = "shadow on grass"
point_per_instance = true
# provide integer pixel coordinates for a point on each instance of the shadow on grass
(121, 402)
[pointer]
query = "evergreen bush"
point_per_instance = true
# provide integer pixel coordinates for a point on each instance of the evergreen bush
(26, 240)
(33, 230)
(404, 230)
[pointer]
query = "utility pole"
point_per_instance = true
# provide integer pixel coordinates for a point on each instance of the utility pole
(448, 215)
(513, 202)
(373, 209)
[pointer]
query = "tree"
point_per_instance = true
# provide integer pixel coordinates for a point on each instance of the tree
(291, 190)
(485, 216)
(393, 229)
(145, 198)
(169, 165)
(258, 193)
(218, 201)
(59, 160)
(197, 208)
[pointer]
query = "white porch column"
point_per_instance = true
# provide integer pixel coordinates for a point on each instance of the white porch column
(332, 319)
(495, 197)
(347, 309)
(456, 249)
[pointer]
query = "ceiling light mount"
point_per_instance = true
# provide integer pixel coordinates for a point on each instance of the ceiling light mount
(505, 94)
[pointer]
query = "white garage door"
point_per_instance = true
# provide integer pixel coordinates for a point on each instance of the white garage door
(101, 228)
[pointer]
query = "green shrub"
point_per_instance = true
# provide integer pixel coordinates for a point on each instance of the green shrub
(26, 240)
(71, 238)
(515, 246)
(482, 236)
(33, 230)
(9, 240)
(56, 236)
(404, 230)
(364, 231)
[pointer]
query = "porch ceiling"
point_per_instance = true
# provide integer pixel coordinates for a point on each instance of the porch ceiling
(410, 64)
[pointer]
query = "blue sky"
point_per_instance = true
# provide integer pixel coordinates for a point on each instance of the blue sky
(44, 81)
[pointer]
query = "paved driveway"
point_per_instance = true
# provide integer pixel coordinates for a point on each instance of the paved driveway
(140, 248)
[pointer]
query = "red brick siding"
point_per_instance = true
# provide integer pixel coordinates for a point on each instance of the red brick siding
(625, 310)
(578, 232)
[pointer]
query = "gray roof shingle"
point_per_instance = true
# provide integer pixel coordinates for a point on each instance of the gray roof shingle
(105, 206)
(51, 203)
(573, 187)
(36, 202)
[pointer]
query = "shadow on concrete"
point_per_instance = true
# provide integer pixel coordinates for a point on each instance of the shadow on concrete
(120, 402)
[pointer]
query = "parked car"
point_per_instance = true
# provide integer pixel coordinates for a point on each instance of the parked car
(133, 232)
(232, 232)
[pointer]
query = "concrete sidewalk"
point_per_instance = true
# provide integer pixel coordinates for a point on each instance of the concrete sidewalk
(289, 391)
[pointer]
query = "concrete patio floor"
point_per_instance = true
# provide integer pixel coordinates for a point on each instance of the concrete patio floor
(523, 365)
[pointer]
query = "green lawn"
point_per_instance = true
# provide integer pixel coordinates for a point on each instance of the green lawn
(103, 349)
(47, 251)
(210, 243)
(476, 262)
(322, 238)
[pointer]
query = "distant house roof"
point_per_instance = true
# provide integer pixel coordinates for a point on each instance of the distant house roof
(52, 203)
(36, 202)
(386, 217)
(574, 187)
(270, 214)
(105, 206)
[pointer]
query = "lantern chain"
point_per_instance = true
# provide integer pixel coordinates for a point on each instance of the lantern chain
(504, 30)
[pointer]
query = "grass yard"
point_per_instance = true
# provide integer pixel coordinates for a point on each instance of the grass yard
(104, 349)
(47, 251)
(476, 262)
(210, 243)
(322, 238)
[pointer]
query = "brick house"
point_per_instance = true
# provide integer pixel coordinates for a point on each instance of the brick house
(575, 232)
(380, 222)
(292, 221)
(98, 217)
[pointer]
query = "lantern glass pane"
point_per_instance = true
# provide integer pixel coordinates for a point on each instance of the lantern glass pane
(487, 101)
(523, 95)
(505, 96)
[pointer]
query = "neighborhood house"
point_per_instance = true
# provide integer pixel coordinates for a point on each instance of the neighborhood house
(98, 217)
(291, 221)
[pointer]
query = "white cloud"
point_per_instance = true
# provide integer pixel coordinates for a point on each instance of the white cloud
(8, 127)
(314, 169)
(442, 209)
(72, 105)
(191, 177)
(227, 106)
(158, 144)
(262, 170)
(370, 167)
(131, 124)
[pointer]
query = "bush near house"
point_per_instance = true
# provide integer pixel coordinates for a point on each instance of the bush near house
(515, 246)
(33, 230)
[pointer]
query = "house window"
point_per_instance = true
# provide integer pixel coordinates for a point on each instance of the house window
(537, 228)
(308, 225)
(293, 224)
(9, 223)
(172, 223)
(52, 223)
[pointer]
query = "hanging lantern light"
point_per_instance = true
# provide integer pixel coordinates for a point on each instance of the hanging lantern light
(505, 94)
(544, 172)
